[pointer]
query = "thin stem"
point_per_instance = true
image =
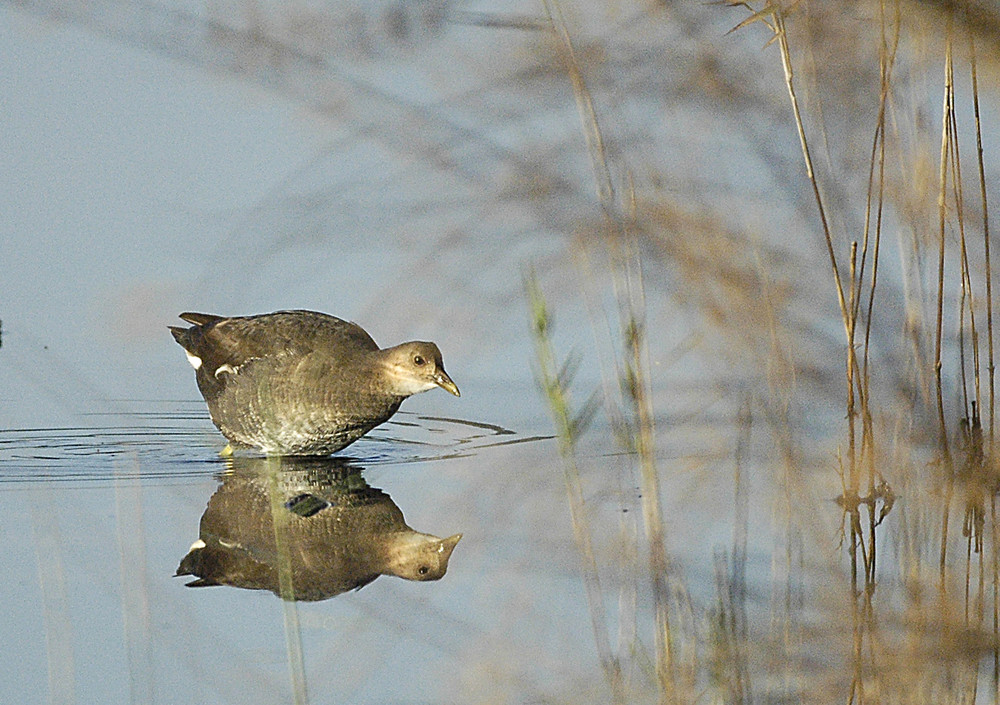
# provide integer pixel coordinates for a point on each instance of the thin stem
(986, 237)
(942, 212)
(566, 434)
(853, 478)
(631, 313)
(786, 62)
(967, 296)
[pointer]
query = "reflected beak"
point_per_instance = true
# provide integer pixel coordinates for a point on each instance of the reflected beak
(442, 380)
(448, 545)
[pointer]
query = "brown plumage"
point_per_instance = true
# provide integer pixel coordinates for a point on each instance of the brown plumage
(302, 382)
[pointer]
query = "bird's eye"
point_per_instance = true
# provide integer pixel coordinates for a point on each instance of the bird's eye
(419, 360)
(423, 570)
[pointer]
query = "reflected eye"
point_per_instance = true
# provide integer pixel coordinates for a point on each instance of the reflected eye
(419, 360)
(423, 570)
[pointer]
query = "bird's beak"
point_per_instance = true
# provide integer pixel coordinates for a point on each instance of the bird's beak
(442, 380)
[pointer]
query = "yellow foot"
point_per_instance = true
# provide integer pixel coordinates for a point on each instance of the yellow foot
(226, 452)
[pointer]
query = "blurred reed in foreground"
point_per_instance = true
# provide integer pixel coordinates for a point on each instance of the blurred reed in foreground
(915, 443)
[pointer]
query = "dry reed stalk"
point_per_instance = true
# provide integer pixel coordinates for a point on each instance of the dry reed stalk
(986, 236)
(888, 48)
(632, 315)
(773, 16)
(947, 108)
(991, 368)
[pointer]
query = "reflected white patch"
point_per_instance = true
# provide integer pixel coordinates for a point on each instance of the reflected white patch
(193, 359)
(196, 545)
(225, 368)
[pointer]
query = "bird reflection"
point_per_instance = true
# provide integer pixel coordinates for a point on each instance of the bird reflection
(307, 529)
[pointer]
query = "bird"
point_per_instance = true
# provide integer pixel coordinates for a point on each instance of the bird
(312, 530)
(300, 382)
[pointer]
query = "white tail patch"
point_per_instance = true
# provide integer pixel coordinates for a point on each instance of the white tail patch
(196, 545)
(193, 359)
(225, 368)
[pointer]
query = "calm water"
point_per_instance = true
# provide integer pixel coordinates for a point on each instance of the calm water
(99, 515)
(408, 166)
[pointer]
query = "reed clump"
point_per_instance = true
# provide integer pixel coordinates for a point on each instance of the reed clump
(910, 608)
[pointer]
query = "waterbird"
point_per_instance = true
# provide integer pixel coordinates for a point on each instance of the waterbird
(302, 382)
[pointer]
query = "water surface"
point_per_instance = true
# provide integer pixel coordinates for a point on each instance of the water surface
(411, 166)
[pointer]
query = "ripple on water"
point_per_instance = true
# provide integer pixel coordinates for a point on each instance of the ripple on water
(163, 441)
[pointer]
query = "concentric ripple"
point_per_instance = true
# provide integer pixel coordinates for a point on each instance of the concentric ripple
(171, 440)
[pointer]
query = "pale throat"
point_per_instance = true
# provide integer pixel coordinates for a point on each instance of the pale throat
(402, 382)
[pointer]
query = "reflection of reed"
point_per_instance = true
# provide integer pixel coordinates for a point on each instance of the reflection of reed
(307, 530)
(729, 660)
